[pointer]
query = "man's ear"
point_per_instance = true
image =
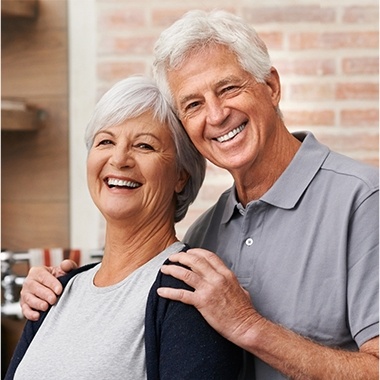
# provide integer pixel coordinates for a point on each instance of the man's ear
(182, 180)
(274, 86)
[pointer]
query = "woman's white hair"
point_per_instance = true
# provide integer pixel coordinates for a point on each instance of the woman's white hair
(133, 97)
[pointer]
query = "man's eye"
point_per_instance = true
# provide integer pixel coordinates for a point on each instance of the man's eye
(191, 106)
(229, 88)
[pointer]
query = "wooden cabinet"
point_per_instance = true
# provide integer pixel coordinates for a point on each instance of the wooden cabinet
(17, 115)
(34, 143)
(19, 8)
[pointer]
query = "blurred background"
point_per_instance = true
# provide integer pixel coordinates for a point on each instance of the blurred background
(60, 56)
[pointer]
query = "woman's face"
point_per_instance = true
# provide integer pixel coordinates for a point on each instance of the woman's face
(131, 170)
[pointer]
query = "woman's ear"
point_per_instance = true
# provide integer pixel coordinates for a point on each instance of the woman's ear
(182, 180)
(274, 86)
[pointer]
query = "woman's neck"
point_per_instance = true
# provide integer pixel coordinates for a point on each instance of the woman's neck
(127, 248)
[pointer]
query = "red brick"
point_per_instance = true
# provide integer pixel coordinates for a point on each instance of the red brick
(163, 17)
(126, 45)
(360, 117)
(337, 40)
(306, 66)
(369, 91)
(351, 142)
(361, 15)
(273, 40)
(113, 71)
(361, 65)
(286, 14)
(120, 18)
(310, 91)
(309, 118)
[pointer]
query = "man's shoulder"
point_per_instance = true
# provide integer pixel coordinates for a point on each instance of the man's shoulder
(346, 167)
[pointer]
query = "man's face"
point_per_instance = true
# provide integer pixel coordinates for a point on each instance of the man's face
(229, 116)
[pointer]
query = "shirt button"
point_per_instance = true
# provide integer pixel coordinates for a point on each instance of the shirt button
(249, 242)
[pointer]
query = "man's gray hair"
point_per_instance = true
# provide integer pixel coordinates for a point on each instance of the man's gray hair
(197, 30)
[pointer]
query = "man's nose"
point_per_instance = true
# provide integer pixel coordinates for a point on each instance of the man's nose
(216, 112)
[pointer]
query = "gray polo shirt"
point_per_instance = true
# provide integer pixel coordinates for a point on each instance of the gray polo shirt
(307, 251)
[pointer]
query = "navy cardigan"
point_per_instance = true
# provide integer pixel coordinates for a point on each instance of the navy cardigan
(179, 343)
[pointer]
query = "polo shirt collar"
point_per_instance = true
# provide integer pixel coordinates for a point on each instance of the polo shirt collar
(289, 187)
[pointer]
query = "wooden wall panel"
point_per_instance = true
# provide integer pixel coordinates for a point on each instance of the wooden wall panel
(38, 160)
(44, 224)
(35, 164)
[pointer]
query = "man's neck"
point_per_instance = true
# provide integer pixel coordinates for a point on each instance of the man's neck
(253, 182)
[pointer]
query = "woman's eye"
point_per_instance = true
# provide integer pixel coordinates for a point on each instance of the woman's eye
(104, 142)
(145, 146)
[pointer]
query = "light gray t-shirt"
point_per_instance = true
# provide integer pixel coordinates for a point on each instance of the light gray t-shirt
(95, 332)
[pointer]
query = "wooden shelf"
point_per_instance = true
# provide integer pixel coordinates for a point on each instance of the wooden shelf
(16, 115)
(19, 8)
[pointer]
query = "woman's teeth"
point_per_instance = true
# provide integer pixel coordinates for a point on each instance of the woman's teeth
(231, 134)
(121, 183)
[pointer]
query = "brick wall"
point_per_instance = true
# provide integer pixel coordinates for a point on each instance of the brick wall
(325, 51)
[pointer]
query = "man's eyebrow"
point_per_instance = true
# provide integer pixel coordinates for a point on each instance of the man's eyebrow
(227, 80)
(183, 100)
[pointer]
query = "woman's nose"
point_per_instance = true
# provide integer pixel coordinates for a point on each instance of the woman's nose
(122, 157)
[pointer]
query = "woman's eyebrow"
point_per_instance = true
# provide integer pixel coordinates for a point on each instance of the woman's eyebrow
(103, 131)
(142, 134)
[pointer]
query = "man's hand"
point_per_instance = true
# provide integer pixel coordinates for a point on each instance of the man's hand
(218, 296)
(41, 288)
(227, 308)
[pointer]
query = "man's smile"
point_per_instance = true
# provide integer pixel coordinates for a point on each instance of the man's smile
(230, 135)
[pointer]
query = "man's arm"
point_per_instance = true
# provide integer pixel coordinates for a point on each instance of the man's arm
(228, 309)
(41, 288)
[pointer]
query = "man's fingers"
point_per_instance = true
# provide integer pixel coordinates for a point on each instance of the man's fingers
(181, 295)
(183, 274)
(67, 266)
(39, 290)
(39, 299)
(40, 280)
(29, 313)
(199, 260)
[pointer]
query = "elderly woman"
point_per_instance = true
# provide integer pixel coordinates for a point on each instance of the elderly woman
(109, 323)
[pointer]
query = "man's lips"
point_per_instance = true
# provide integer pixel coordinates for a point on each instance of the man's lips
(230, 135)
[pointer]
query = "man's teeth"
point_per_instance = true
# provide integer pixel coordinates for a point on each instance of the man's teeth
(231, 134)
(121, 183)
